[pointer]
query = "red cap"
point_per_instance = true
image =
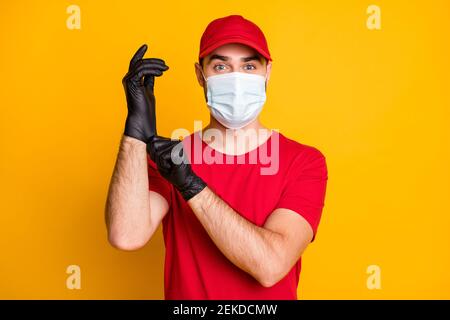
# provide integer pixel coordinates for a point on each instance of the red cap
(233, 29)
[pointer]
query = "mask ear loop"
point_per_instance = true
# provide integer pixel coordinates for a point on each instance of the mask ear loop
(201, 70)
(265, 76)
(265, 80)
(206, 97)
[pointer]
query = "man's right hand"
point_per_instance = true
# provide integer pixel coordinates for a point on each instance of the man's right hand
(138, 84)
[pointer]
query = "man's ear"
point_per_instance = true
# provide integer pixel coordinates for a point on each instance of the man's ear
(268, 70)
(198, 73)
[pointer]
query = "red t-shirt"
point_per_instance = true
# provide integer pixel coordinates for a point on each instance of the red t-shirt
(194, 267)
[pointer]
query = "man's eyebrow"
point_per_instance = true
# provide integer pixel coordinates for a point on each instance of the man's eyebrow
(251, 58)
(218, 56)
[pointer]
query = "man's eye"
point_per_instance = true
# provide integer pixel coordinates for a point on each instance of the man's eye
(249, 67)
(219, 67)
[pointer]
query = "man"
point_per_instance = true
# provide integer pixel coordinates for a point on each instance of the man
(230, 231)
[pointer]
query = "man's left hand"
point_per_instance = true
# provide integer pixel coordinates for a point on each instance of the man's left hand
(173, 165)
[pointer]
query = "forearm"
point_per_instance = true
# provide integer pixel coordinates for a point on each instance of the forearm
(127, 209)
(251, 248)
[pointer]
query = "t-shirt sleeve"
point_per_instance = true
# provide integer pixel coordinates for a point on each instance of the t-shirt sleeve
(156, 182)
(305, 190)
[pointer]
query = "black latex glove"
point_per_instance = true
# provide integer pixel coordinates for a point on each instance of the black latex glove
(174, 166)
(138, 84)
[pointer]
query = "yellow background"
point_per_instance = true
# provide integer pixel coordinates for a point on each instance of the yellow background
(375, 102)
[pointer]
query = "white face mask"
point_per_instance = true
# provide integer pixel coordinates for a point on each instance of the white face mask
(235, 99)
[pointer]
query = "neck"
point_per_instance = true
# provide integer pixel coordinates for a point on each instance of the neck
(235, 141)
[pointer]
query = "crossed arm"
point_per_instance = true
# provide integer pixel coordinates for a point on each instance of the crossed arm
(267, 253)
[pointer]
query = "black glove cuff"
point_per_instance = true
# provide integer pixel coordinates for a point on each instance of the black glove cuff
(194, 186)
(131, 131)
